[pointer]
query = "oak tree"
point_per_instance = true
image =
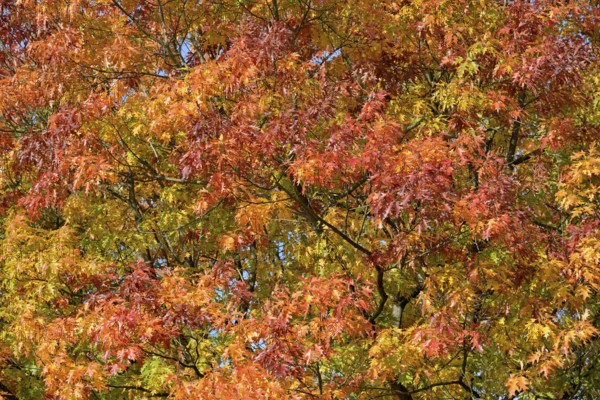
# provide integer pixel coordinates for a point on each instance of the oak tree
(297, 199)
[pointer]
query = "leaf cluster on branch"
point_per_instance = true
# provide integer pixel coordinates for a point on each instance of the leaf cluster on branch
(299, 199)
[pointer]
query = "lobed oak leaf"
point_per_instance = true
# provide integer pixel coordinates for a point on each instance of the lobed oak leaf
(516, 384)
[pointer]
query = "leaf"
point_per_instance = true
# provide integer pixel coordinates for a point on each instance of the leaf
(517, 384)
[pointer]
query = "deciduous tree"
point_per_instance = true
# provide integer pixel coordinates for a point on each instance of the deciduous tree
(296, 199)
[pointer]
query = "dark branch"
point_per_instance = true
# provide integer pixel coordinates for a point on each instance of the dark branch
(382, 294)
(138, 388)
(525, 157)
(6, 393)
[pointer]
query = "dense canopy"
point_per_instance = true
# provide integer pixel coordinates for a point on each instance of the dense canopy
(299, 199)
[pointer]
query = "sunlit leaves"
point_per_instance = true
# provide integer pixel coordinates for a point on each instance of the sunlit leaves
(299, 199)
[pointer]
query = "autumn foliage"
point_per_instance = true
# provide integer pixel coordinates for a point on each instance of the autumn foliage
(299, 199)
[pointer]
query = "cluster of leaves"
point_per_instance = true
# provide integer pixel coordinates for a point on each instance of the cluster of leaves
(292, 199)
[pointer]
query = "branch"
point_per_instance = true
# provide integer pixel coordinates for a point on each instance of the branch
(382, 293)
(404, 392)
(177, 180)
(344, 236)
(164, 45)
(135, 22)
(275, 10)
(546, 226)
(514, 140)
(412, 126)
(138, 388)
(402, 302)
(525, 157)
(514, 137)
(312, 216)
(6, 393)
(401, 391)
(469, 389)
(352, 188)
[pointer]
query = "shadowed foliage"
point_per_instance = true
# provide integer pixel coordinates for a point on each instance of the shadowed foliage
(299, 199)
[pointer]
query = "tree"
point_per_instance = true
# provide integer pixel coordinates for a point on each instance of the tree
(295, 199)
